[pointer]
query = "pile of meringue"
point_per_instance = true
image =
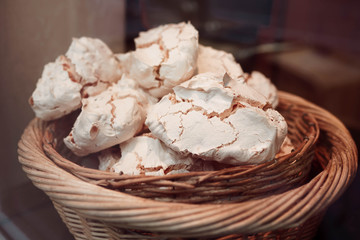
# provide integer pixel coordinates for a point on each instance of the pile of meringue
(170, 106)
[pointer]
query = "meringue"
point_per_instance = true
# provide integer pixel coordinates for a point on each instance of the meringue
(205, 118)
(210, 110)
(109, 118)
(108, 157)
(57, 92)
(164, 57)
(217, 61)
(87, 69)
(144, 155)
(95, 63)
(261, 84)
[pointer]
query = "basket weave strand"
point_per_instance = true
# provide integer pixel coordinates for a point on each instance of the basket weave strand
(92, 212)
(230, 184)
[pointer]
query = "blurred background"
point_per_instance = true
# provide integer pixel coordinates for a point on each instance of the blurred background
(309, 48)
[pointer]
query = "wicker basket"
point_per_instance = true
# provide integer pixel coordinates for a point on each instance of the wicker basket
(231, 184)
(280, 199)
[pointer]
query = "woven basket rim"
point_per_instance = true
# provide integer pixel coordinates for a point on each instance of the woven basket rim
(280, 211)
(229, 184)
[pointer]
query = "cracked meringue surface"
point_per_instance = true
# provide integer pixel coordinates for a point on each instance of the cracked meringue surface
(95, 63)
(144, 155)
(263, 85)
(210, 120)
(221, 62)
(57, 92)
(221, 114)
(217, 61)
(164, 57)
(87, 68)
(109, 118)
(259, 83)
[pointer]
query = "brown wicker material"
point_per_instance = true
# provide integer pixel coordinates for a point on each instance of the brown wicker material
(92, 211)
(232, 184)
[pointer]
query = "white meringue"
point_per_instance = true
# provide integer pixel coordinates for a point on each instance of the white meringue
(109, 118)
(164, 57)
(261, 84)
(144, 155)
(95, 63)
(108, 157)
(88, 68)
(57, 92)
(217, 61)
(211, 121)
